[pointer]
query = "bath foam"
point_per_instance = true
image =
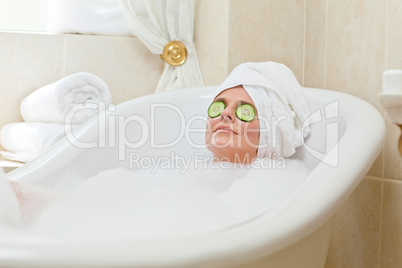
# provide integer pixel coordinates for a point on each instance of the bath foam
(112, 205)
(161, 203)
(9, 215)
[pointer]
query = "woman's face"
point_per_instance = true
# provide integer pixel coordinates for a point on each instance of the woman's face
(229, 138)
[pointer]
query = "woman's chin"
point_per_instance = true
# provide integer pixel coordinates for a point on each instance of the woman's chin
(222, 140)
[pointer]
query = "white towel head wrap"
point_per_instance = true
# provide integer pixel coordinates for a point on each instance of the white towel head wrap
(281, 106)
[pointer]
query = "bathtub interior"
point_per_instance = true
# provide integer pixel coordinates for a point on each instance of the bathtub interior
(163, 125)
(308, 209)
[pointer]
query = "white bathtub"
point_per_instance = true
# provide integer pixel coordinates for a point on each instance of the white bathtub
(297, 236)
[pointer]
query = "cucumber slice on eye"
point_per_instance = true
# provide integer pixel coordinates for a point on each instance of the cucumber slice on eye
(215, 109)
(245, 112)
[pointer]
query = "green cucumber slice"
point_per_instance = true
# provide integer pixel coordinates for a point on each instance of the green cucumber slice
(245, 112)
(215, 109)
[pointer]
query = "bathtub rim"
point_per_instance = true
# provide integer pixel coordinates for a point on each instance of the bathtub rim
(246, 244)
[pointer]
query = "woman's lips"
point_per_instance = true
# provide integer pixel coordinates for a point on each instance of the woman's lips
(224, 129)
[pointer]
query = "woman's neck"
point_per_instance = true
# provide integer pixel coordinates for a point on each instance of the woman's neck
(245, 159)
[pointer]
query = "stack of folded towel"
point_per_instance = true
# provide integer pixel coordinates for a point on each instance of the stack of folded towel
(44, 112)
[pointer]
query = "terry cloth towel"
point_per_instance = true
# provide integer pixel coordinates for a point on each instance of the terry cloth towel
(51, 103)
(27, 140)
(101, 17)
(281, 106)
(9, 208)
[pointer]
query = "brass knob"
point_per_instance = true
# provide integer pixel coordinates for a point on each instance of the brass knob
(175, 53)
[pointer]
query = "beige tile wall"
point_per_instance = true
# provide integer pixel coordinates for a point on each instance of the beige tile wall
(315, 48)
(393, 166)
(28, 61)
(32, 60)
(391, 244)
(211, 39)
(360, 42)
(126, 65)
(268, 40)
(358, 217)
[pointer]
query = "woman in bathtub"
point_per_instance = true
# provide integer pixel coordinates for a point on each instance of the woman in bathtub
(261, 112)
(258, 112)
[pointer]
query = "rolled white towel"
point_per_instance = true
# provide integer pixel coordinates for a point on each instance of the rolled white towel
(9, 208)
(27, 140)
(51, 103)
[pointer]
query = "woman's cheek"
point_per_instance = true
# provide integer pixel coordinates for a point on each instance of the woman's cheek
(208, 132)
(252, 134)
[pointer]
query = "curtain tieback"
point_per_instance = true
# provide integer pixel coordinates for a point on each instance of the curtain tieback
(175, 53)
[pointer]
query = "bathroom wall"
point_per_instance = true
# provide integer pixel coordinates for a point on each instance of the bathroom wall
(349, 43)
(341, 45)
(32, 60)
(229, 32)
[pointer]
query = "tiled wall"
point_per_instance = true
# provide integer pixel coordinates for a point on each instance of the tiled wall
(356, 40)
(211, 39)
(33, 60)
(341, 45)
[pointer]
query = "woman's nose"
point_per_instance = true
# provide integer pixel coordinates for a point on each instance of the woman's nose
(228, 113)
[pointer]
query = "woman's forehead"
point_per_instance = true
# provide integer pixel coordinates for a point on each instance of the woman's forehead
(237, 93)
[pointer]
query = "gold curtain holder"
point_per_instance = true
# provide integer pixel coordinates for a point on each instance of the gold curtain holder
(175, 53)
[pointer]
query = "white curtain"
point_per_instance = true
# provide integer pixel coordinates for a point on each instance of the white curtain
(156, 23)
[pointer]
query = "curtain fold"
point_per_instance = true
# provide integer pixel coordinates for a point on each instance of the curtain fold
(156, 23)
